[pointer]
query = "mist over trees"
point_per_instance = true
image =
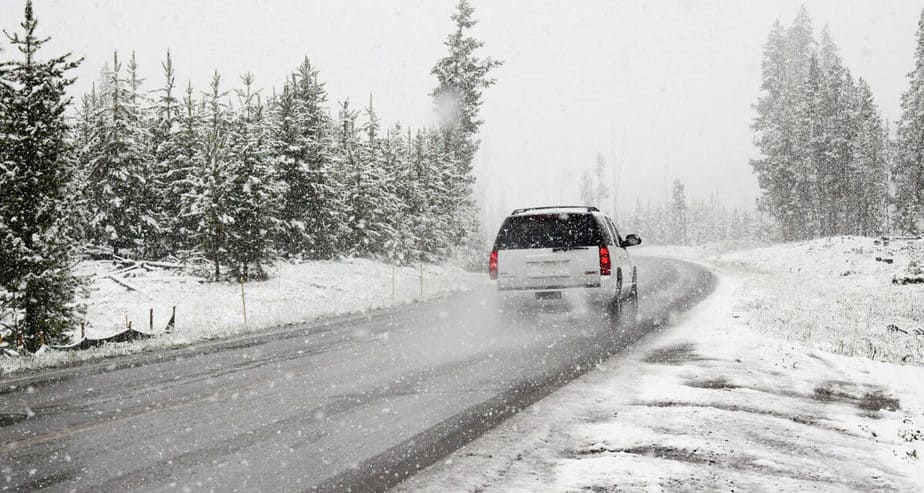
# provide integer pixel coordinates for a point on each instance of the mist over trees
(229, 176)
(685, 221)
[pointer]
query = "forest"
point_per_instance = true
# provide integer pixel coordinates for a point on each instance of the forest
(829, 164)
(224, 176)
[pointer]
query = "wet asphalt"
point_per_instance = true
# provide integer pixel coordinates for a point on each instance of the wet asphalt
(351, 403)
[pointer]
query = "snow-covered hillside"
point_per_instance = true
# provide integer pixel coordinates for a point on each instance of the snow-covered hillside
(204, 310)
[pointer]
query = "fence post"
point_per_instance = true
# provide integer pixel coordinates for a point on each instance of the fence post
(151, 321)
(421, 280)
(243, 302)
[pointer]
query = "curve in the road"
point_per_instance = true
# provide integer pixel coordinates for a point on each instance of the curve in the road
(357, 402)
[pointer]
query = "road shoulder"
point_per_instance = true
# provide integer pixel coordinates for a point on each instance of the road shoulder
(710, 404)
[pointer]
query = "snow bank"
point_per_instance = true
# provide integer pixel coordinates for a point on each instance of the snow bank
(294, 293)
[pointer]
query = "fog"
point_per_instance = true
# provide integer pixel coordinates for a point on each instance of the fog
(664, 89)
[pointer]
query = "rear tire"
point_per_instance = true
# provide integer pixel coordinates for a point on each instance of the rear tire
(630, 308)
(614, 307)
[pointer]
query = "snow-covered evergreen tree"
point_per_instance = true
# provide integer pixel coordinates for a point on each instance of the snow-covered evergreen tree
(302, 153)
(601, 193)
(170, 168)
(810, 124)
(679, 213)
(210, 201)
(462, 76)
(182, 180)
(84, 136)
(439, 177)
(587, 188)
(253, 200)
(361, 160)
(773, 127)
(868, 186)
(402, 185)
(431, 232)
(38, 290)
(908, 171)
(120, 171)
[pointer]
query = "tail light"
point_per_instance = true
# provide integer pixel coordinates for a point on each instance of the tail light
(605, 264)
(492, 264)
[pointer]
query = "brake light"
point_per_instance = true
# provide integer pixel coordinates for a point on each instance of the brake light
(492, 264)
(605, 263)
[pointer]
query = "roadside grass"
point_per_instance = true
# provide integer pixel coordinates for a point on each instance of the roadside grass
(833, 294)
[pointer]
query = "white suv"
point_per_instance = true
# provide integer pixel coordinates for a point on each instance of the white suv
(570, 253)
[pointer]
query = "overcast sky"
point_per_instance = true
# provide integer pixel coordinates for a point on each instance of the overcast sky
(667, 86)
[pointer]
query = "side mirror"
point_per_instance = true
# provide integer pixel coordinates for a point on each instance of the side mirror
(631, 240)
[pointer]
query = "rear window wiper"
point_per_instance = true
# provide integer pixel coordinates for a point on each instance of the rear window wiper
(565, 249)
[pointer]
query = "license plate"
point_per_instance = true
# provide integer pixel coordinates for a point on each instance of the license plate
(548, 295)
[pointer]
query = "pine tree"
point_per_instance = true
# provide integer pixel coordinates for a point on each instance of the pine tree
(908, 172)
(402, 187)
(836, 170)
(303, 155)
(773, 133)
(811, 164)
(429, 219)
(587, 188)
(349, 165)
(170, 173)
(119, 173)
(363, 172)
(38, 290)
(869, 185)
(441, 179)
(679, 214)
(84, 136)
(210, 202)
(253, 199)
(600, 191)
(182, 180)
(811, 128)
(462, 76)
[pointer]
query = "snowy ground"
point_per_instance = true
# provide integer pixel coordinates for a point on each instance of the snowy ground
(295, 293)
(737, 395)
(831, 293)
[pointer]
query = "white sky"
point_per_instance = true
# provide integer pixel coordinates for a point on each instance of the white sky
(668, 85)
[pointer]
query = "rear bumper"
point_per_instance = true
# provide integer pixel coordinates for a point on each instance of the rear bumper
(548, 288)
(575, 295)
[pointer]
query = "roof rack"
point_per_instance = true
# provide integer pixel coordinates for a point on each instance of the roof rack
(585, 207)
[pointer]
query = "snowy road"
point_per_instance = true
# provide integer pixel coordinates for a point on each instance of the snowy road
(355, 402)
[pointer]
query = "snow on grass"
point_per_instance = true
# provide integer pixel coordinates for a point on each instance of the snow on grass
(709, 406)
(294, 293)
(835, 295)
(831, 293)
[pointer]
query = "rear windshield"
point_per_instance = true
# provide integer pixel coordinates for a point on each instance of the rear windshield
(548, 231)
